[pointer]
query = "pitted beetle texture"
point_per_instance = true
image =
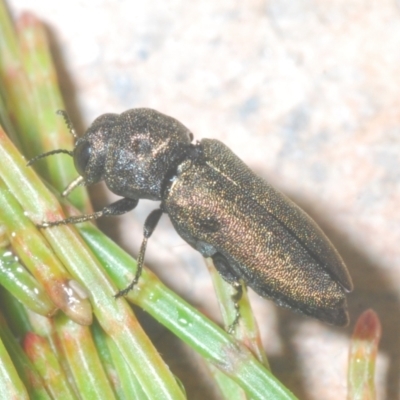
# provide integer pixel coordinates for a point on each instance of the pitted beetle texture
(253, 233)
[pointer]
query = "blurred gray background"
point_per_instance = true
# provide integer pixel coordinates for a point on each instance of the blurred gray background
(307, 93)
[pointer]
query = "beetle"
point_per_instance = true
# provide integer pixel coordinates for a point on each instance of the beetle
(253, 233)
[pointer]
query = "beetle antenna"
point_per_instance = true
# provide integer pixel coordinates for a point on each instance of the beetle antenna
(72, 131)
(49, 153)
(68, 122)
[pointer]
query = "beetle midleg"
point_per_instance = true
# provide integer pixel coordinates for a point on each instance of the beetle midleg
(227, 272)
(149, 226)
(119, 207)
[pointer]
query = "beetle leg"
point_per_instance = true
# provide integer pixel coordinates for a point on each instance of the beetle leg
(236, 298)
(223, 267)
(149, 226)
(119, 207)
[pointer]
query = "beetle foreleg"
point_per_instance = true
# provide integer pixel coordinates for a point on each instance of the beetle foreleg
(119, 207)
(149, 226)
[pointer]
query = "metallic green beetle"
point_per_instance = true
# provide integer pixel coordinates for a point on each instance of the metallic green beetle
(218, 205)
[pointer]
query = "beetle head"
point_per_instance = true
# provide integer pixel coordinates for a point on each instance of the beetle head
(90, 150)
(134, 152)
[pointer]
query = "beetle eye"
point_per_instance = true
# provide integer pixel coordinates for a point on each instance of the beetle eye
(81, 157)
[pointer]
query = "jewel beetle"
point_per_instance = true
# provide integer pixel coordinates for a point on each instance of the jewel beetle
(253, 233)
